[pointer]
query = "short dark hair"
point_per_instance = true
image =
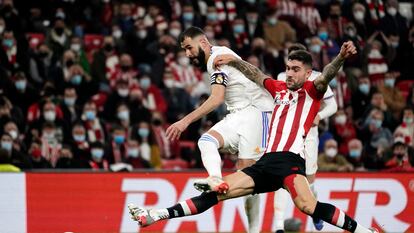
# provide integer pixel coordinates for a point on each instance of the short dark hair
(301, 55)
(296, 47)
(190, 32)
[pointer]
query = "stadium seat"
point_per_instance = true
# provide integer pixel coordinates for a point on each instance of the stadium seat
(405, 87)
(174, 164)
(92, 41)
(35, 39)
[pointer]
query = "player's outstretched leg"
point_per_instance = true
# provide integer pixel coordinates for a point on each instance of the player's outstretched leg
(281, 197)
(252, 208)
(317, 223)
(298, 188)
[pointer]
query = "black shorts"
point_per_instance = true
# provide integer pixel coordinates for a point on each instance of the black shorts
(269, 172)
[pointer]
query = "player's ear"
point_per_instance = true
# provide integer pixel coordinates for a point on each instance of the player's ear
(308, 72)
(204, 42)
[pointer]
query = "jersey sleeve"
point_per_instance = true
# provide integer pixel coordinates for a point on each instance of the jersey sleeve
(309, 86)
(328, 94)
(273, 86)
(219, 78)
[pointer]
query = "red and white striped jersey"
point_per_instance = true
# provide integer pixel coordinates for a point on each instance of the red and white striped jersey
(292, 116)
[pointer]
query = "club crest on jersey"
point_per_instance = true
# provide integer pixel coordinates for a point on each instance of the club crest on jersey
(279, 96)
(219, 78)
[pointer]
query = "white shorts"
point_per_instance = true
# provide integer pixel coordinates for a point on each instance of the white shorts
(245, 131)
(311, 151)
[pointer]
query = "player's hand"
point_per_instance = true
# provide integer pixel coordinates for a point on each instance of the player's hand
(223, 60)
(316, 121)
(348, 49)
(174, 131)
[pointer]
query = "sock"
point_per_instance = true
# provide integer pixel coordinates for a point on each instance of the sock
(337, 217)
(193, 206)
(252, 206)
(209, 154)
(281, 197)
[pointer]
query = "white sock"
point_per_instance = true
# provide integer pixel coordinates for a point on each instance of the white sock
(361, 229)
(252, 207)
(281, 197)
(209, 154)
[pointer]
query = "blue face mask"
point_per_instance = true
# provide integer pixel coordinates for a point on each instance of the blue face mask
(8, 43)
(119, 139)
(69, 101)
(20, 85)
(90, 115)
(79, 138)
(272, 21)
(97, 153)
(7, 145)
(212, 17)
(238, 29)
(143, 132)
(354, 153)
(76, 79)
(188, 16)
(377, 123)
(145, 83)
(123, 115)
(323, 35)
(134, 153)
(315, 48)
(389, 82)
(364, 88)
(333, 83)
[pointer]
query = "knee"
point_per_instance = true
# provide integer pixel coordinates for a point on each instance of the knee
(207, 139)
(306, 205)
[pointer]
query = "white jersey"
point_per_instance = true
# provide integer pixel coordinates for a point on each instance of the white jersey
(241, 92)
(328, 94)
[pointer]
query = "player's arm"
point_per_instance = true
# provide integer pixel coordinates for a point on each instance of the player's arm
(329, 108)
(331, 70)
(250, 71)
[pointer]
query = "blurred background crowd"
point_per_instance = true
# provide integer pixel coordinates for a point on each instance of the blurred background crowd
(93, 84)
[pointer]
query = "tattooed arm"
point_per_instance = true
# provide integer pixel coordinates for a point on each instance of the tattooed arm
(250, 71)
(331, 70)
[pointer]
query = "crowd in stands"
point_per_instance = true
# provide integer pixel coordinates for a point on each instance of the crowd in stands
(94, 84)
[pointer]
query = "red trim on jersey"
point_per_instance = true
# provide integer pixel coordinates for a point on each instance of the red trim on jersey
(311, 115)
(296, 121)
(271, 125)
(281, 124)
(272, 86)
(289, 183)
(191, 206)
(335, 216)
(309, 86)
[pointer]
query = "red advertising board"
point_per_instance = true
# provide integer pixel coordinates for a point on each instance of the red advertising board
(97, 202)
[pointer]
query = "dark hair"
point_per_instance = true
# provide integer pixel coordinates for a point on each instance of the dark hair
(190, 32)
(301, 55)
(296, 47)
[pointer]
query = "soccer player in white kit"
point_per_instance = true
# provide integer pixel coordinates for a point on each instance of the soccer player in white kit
(244, 129)
(328, 108)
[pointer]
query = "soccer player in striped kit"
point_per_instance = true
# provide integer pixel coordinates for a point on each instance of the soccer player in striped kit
(243, 130)
(296, 103)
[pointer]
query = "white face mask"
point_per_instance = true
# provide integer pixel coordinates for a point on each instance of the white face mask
(359, 15)
(14, 134)
(75, 47)
(169, 83)
(117, 34)
(175, 32)
(142, 34)
(331, 152)
(49, 115)
(123, 92)
(341, 119)
(184, 61)
(392, 11)
(1, 29)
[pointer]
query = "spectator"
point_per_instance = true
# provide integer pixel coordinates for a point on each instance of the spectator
(393, 22)
(343, 130)
(407, 125)
(124, 20)
(149, 150)
(152, 97)
(50, 143)
(239, 37)
(94, 126)
(66, 160)
(123, 117)
(361, 98)
(118, 147)
(354, 154)
(5, 165)
(335, 21)
(42, 60)
(137, 42)
(12, 129)
(16, 58)
(125, 72)
(105, 61)
(15, 158)
(378, 102)
(137, 109)
(309, 15)
(189, 17)
(38, 161)
(134, 158)
(70, 109)
(76, 46)
(400, 159)
(277, 32)
(98, 160)
(9, 112)
(23, 94)
(79, 144)
(119, 95)
(392, 96)
(360, 20)
(253, 23)
(330, 160)
(58, 37)
(11, 16)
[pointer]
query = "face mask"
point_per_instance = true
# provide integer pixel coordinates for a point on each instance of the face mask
(323, 36)
(49, 115)
(76, 79)
(364, 88)
(90, 115)
(354, 153)
(43, 54)
(408, 120)
(119, 139)
(7, 146)
(49, 136)
(395, 44)
(59, 31)
(125, 68)
(331, 152)
(79, 138)
(169, 83)
(315, 48)
(20, 85)
(376, 123)
(117, 34)
(399, 155)
(97, 153)
(212, 17)
(252, 20)
(238, 29)
(14, 134)
(145, 83)
(188, 16)
(359, 15)
(184, 61)
(333, 83)
(1, 29)
(108, 47)
(144, 132)
(351, 32)
(392, 11)
(389, 82)
(69, 101)
(272, 21)
(133, 153)
(36, 153)
(142, 34)
(123, 115)
(340, 120)
(175, 32)
(8, 43)
(123, 92)
(75, 47)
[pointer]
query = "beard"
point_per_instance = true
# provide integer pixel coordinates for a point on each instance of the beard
(200, 60)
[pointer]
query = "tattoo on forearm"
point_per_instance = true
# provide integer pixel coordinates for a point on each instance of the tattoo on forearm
(250, 71)
(329, 72)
